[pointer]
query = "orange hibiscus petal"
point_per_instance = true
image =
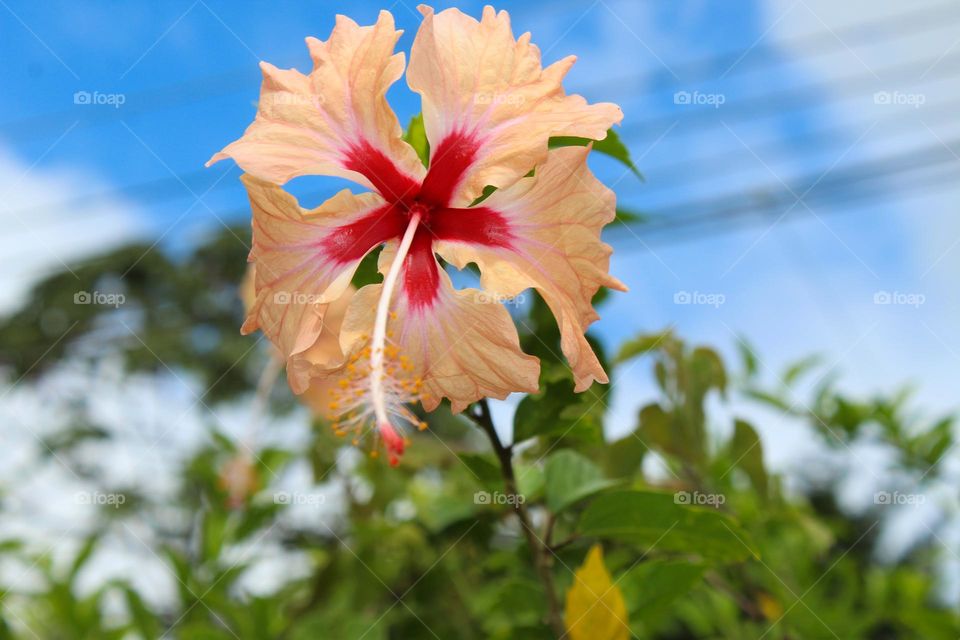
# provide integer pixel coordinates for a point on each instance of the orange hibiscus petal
(553, 220)
(489, 107)
(323, 355)
(335, 121)
(462, 345)
(305, 260)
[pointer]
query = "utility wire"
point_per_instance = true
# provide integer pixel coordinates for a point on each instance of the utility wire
(893, 171)
(812, 95)
(680, 172)
(852, 201)
(688, 169)
(239, 79)
(815, 182)
(173, 187)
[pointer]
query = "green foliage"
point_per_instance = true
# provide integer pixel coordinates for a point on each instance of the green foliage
(708, 546)
(746, 451)
(570, 477)
(611, 146)
(416, 137)
(660, 521)
(557, 411)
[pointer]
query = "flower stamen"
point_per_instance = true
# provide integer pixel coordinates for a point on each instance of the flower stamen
(378, 382)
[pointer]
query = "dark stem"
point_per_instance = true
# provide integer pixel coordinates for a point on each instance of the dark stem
(538, 548)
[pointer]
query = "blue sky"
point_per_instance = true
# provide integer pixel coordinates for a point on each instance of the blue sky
(187, 73)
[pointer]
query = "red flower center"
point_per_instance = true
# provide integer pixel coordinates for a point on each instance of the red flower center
(431, 200)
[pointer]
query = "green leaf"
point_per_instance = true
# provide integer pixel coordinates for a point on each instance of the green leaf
(530, 481)
(367, 272)
(611, 146)
(749, 357)
(707, 367)
(416, 137)
(487, 192)
(444, 510)
(623, 457)
(659, 433)
(440, 507)
(768, 399)
(89, 546)
(557, 411)
(214, 533)
(142, 619)
(796, 370)
(650, 587)
(654, 520)
(933, 443)
(630, 217)
(570, 477)
(642, 345)
(746, 452)
(485, 468)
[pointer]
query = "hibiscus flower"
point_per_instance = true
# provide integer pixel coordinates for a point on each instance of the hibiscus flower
(489, 111)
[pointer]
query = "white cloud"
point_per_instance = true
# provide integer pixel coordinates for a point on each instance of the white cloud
(41, 236)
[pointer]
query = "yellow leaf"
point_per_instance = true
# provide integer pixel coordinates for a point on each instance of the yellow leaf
(769, 606)
(595, 608)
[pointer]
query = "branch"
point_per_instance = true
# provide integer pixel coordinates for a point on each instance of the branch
(538, 548)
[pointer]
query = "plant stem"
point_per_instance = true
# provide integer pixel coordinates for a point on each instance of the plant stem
(538, 548)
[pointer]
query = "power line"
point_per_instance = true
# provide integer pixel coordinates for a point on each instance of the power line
(777, 102)
(815, 182)
(686, 170)
(173, 186)
(136, 103)
(751, 218)
(235, 80)
(772, 199)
